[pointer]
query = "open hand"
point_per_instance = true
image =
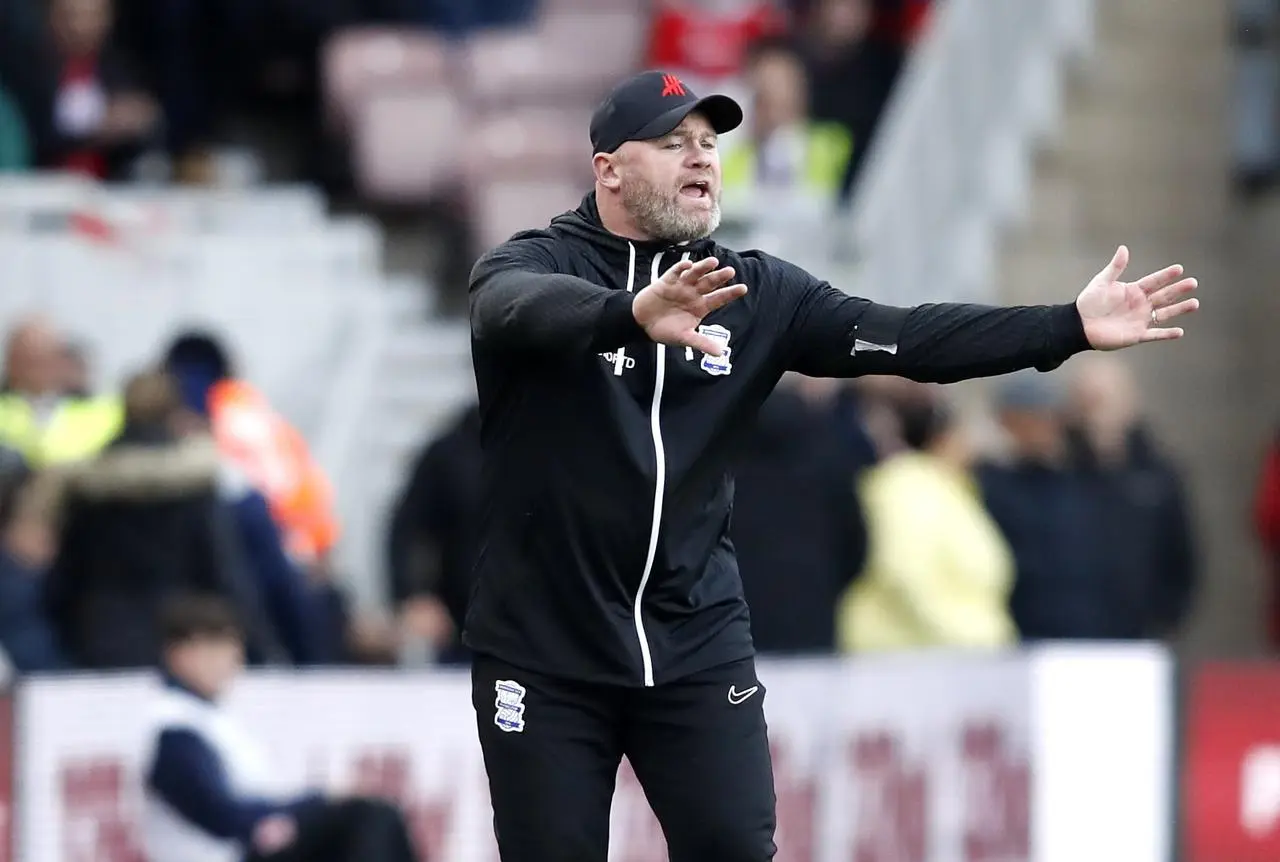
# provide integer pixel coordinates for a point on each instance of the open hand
(1120, 314)
(671, 308)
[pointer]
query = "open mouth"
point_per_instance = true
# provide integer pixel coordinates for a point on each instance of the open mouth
(700, 189)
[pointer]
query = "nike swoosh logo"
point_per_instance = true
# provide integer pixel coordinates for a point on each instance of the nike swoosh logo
(736, 697)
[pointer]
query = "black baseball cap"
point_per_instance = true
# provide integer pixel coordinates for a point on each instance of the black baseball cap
(651, 104)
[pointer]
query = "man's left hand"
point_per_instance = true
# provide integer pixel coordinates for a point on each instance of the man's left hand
(1120, 314)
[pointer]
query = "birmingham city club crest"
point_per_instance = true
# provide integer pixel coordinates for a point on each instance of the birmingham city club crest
(716, 365)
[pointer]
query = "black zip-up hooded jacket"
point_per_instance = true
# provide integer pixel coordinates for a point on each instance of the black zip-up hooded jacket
(604, 551)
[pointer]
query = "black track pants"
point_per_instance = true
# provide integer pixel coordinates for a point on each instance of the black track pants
(699, 747)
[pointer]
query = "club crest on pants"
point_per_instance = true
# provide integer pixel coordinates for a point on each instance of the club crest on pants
(716, 365)
(509, 703)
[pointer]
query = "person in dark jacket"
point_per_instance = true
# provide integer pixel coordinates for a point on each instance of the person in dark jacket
(1047, 512)
(1148, 533)
(796, 512)
(853, 66)
(620, 356)
(80, 95)
(140, 523)
(290, 601)
(27, 636)
(432, 541)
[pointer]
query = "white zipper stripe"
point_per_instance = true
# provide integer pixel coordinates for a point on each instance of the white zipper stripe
(660, 486)
(620, 359)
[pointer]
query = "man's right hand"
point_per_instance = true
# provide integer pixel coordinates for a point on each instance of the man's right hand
(670, 309)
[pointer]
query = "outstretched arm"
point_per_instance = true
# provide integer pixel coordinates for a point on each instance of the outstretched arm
(836, 335)
(520, 302)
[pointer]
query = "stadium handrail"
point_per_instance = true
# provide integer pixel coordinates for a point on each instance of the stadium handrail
(950, 165)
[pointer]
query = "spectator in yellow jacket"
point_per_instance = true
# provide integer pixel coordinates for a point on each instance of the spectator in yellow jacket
(938, 572)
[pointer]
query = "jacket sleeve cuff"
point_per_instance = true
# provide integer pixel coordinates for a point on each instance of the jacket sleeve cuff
(1067, 331)
(617, 325)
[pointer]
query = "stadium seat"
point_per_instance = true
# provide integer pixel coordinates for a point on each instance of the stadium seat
(638, 7)
(568, 58)
(550, 139)
(503, 205)
(407, 146)
(364, 60)
(504, 66)
(525, 166)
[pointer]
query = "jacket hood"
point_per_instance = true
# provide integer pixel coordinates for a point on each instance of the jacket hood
(585, 224)
(139, 471)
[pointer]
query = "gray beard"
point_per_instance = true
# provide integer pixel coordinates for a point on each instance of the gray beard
(660, 217)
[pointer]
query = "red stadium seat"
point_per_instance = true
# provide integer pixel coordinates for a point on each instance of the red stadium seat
(531, 139)
(568, 58)
(525, 166)
(501, 206)
(407, 146)
(638, 7)
(365, 60)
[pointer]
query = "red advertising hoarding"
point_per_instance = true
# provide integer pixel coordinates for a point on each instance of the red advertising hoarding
(1231, 780)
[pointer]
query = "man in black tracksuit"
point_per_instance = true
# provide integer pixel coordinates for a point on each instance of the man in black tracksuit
(619, 357)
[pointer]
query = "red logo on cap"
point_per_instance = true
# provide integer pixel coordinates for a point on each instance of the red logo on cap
(671, 86)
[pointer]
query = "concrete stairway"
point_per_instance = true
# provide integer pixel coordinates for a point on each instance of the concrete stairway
(1140, 159)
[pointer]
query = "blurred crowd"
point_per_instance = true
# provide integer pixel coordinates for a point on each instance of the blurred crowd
(92, 85)
(229, 92)
(870, 515)
(138, 89)
(873, 516)
(185, 482)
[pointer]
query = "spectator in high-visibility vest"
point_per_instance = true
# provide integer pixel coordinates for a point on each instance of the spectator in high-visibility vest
(75, 375)
(855, 50)
(787, 156)
(261, 443)
(38, 418)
